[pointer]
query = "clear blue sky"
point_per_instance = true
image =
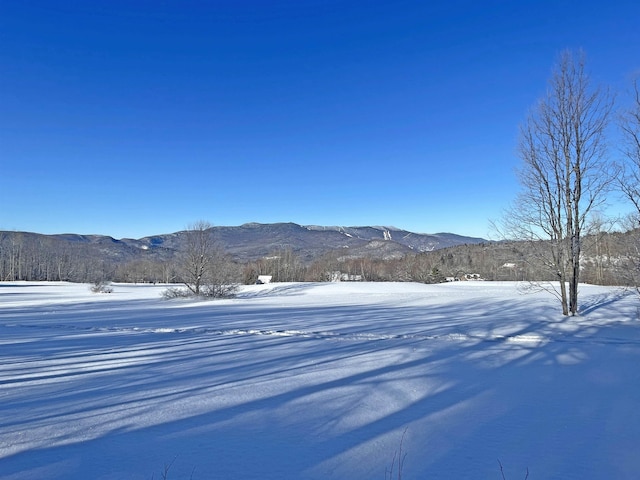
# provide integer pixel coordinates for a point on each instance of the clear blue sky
(133, 118)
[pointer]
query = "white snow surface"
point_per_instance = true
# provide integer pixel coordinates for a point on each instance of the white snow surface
(318, 381)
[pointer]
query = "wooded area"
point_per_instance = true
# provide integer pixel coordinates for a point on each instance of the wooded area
(607, 259)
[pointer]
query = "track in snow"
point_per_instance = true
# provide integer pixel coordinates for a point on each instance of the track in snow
(532, 338)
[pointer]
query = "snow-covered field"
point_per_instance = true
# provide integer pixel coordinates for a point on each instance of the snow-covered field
(318, 381)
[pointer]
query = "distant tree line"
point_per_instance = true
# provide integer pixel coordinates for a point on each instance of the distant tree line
(33, 257)
(25, 256)
(608, 258)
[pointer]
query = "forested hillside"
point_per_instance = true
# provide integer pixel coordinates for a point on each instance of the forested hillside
(289, 252)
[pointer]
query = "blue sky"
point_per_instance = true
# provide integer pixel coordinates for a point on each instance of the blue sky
(134, 118)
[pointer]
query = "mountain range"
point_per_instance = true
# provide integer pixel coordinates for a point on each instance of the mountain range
(252, 241)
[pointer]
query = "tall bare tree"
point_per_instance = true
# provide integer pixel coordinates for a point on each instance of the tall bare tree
(565, 173)
(629, 181)
(630, 126)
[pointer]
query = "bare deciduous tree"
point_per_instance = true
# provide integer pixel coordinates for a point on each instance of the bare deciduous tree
(565, 173)
(198, 255)
(630, 126)
(206, 270)
(629, 181)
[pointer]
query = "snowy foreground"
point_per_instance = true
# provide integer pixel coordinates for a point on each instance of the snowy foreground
(318, 381)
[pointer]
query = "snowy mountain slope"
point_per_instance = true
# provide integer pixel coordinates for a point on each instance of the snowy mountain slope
(253, 240)
(420, 242)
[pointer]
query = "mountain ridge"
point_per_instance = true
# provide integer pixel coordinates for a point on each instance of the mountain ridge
(251, 241)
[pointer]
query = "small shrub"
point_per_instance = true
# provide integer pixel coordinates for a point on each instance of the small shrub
(175, 292)
(206, 292)
(220, 291)
(101, 286)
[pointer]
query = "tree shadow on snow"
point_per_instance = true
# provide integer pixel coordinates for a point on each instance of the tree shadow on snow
(326, 392)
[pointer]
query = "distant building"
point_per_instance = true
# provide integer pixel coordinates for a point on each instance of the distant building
(465, 277)
(338, 276)
(472, 276)
(262, 279)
